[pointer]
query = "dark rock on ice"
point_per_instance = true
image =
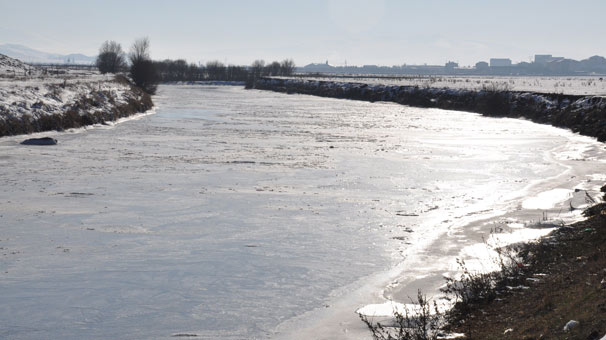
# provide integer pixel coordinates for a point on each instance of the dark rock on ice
(40, 141)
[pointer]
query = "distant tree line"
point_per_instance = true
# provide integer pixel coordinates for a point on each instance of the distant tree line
(180, 70)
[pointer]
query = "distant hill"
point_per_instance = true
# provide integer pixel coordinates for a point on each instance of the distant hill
(29, 55)
(13, 67)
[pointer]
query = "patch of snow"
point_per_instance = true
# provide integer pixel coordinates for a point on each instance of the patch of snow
(547, 199)
(520, 287)
(484, 257)
(391, 308)
(451, 336)
(388, 308)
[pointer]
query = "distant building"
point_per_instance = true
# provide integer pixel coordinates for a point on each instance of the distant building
(561, 65)
(481, 65)
(451, 65)
(318, 68)
(543, 64)
(500, 62)
(542, 58)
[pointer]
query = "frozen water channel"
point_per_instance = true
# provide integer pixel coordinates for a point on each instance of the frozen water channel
(235, 214)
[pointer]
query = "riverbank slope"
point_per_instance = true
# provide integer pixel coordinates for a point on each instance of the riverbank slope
(564, 279)
(32, 100)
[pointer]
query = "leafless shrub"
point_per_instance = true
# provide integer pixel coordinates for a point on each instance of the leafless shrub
(496, 87)
(473, 288)
(420, 324)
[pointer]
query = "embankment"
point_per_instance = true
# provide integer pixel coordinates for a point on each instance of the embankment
(28, 107)
(563, 278)
(583, 114)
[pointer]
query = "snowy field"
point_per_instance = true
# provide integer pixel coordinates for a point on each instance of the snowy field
(235, 214)
(586, 85)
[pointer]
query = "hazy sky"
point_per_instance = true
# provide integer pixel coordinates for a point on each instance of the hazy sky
(382, 32)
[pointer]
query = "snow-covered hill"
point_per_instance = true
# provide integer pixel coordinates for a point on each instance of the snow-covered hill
(59, 102)
(30, 55)
(10, 67)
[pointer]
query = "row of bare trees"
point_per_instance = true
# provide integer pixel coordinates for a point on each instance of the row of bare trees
(180, 70)
(285, 68)
(112, 59)
(146, 73)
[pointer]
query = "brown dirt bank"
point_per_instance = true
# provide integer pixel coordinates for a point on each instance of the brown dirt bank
(583, 114)
(565, 273)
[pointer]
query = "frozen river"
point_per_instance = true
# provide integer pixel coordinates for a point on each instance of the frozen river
(235, 214)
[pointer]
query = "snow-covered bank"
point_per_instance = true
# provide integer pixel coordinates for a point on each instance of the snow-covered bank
(573, 85)
(35, 103)
(583, 114)
(36, 106)
(561, 279)
(208, 83)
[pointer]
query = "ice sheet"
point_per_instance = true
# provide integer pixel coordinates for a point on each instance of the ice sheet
(246, 214)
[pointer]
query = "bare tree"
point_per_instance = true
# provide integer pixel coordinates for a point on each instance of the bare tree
(215, 70)
(256, 69)
(287, 67)
(237, 73)
(139, 50)
(143, 70)
(273, 69)
(111, 58)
